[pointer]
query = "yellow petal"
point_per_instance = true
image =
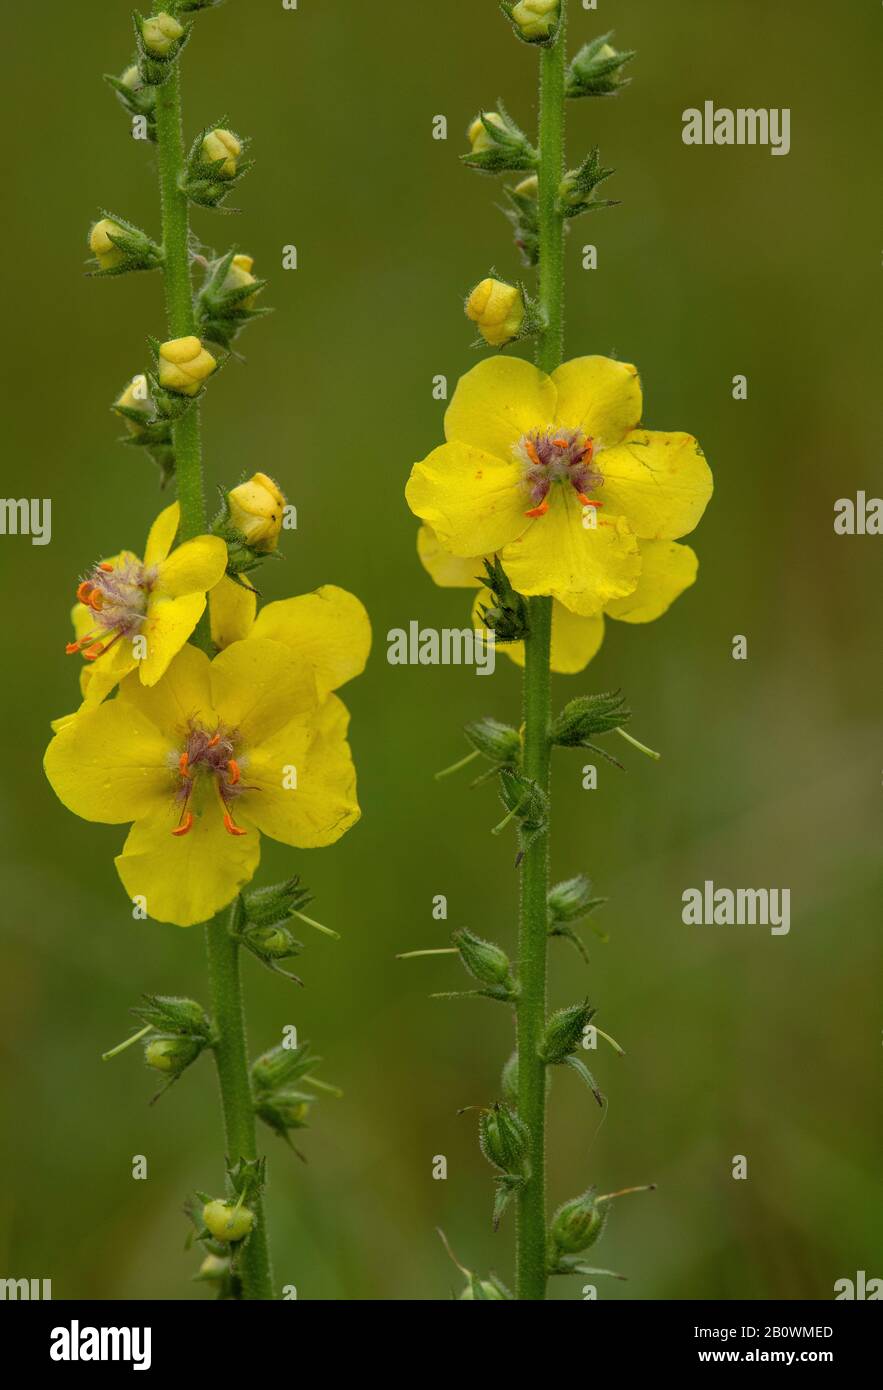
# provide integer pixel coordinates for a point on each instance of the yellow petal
(599, 396)
(584, 568)
(232, 609)
(575, 640)
(659, 482)
(474, 501)
(110, 764)
(184, 694)
(497, 402)
(667, 569)
(329, 629)
(196, 565)
(447, 570)
(323, 804)
(102, 675)
(187, 879)
(162, 534)
(258, 687)
(169, 623)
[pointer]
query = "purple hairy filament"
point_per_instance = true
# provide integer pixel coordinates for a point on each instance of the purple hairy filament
(557, 456)
(118, 598)
(210, 754)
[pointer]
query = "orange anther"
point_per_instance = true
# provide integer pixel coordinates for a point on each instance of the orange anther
(560, 443)
(213, 742)
(186, 823)
(184, 765)
(94, 652)
(233, 769)
(106, 566)
(83, 591)
(587, 501)
(540, 510)
(530, 450)
(231, 827)
(95, 601)
(72, 647)
(589, 450)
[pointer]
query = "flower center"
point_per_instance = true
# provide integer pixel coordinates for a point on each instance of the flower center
(209, 756)
(557, 456)
(117, 596)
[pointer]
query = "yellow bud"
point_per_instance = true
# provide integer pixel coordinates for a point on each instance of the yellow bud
(136, 397)
(256, 509)
(184, 364)
(160, 33)
(214, 1267)
(608, 51)
(226, 1221)
(106, 254)
(222, 144)
(536, 18)
(498, 311)
(238, 275)
(477, 134)
(131, 78)
(529, 187)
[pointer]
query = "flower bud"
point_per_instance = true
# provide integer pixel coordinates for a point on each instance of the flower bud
(106, 252)
(483, 1288)
(571, 899)
(564, 1032)
(222, 145)
(184, 365)
(271, 943)
(135, 401)
(282, 1065)
(478, 135)
(596, 70)
(160, 33)
(172, 1053)
(256, 511)
(587, 715)
(577, 1224)
(535, 19)
(214, 1269)
(485, 962)
(284, 1110)
(238, 276)
(497, 309)
(499, 742)
(529, 187)
(227, 1221)
(267, 907)
(504, 1139)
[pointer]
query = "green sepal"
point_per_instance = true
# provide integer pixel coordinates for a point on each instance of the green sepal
(578, 1065)
(510, 152)
(140, 250)
(526, 802)
(523, 217)
(576, 192)
(592, 75)
(508, 617)
(564, 1032)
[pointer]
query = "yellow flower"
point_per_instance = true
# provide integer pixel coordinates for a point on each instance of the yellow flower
(667, 570)
(554, 475)
(497, 309)
(239, 275)
(103, 249)
(133, 613)
(203, 763)
(160, 33)
(184, 365)
(222, 144)
(477, 135)
(256, 510)
(535, 18)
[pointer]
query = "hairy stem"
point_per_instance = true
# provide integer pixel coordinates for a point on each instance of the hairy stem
(531, 1258)
(231, 1054)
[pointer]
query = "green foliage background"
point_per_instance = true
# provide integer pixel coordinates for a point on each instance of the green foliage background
(719, 261)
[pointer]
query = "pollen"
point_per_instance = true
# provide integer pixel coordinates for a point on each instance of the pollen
(554, 457)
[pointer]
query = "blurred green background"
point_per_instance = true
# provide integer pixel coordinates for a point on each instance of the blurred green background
(719, 261)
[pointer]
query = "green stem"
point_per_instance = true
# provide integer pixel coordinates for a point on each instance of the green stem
(231, 1054)
(531, 1256)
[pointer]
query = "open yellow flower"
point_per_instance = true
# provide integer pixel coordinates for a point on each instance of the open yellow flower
(553, 473)
(138, 613)
(667, 570)
(203, 763)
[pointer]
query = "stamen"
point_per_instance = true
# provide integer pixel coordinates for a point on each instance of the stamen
(588, 501)
(531, 451)
(560, 443)
(233, 769)
(186, 824)
(540, 510)
(213, 742)
(231, 827)
(83, 591)
(184, 764)
(94, 652)
(95, 601)
(106, 566)
(72, 647)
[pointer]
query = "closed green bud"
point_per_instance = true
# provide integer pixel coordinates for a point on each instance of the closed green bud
(596, 70)
(572, 899)
(504, 1139)
(588, 715)
(576, 192)
(577, 1224)
(282, 1065)
(171, 1014)
(484, 961)
(227, 1221)
(171, 1054)
(564, 1032)
(214, 1269)
(271, 943)
(499, 742)
(484, 1288)
(284, 1110)
(268, 907)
